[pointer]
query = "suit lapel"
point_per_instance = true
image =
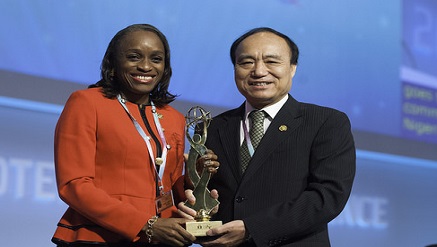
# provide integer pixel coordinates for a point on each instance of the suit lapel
(230, 137)
(282, 126)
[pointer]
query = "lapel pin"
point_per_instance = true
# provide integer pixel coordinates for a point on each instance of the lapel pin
(283, 128)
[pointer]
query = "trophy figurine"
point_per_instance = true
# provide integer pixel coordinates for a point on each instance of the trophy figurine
(197, 121)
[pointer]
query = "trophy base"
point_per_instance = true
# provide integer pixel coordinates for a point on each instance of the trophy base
(199, 228)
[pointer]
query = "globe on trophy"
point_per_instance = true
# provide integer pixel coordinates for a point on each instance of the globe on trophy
(197, 121)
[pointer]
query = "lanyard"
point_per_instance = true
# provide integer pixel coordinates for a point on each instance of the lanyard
(161, 161)
(247, 136)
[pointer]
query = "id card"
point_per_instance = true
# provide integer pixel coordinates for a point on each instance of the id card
(164, 201)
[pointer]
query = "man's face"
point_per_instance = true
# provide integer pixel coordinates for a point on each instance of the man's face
(263, 72)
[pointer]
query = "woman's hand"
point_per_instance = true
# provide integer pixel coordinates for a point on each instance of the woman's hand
(171, 231)
(208, 161)
(189, 213)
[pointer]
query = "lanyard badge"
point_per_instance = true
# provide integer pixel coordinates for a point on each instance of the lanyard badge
(165, 200)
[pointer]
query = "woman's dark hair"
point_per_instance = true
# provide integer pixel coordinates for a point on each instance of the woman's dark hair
(293, 47)
(110, 88)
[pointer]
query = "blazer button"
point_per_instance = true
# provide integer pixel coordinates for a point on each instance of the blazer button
(240, 199)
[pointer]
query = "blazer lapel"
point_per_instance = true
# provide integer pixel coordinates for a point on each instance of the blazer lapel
(282, 126)
(229, 135)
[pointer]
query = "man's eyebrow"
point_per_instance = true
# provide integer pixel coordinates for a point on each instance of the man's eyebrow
(275, 56)
(247, 56)
(244, 56)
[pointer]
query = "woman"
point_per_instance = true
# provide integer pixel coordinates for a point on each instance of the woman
(119, 150)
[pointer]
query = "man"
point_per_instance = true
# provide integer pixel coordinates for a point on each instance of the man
(300, 174)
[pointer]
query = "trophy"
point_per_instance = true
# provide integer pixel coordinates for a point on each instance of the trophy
(197, 121)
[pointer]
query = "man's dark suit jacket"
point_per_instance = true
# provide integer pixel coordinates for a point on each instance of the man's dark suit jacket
(298, 180)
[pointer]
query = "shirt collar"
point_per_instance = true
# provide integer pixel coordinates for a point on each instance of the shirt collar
(271, 110)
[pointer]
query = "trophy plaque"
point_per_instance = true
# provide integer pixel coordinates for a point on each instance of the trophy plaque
(197, 121)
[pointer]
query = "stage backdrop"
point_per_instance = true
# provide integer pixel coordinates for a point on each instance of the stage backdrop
(374, 60)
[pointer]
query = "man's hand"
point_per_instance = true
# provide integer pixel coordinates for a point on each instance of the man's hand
(230, 234)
